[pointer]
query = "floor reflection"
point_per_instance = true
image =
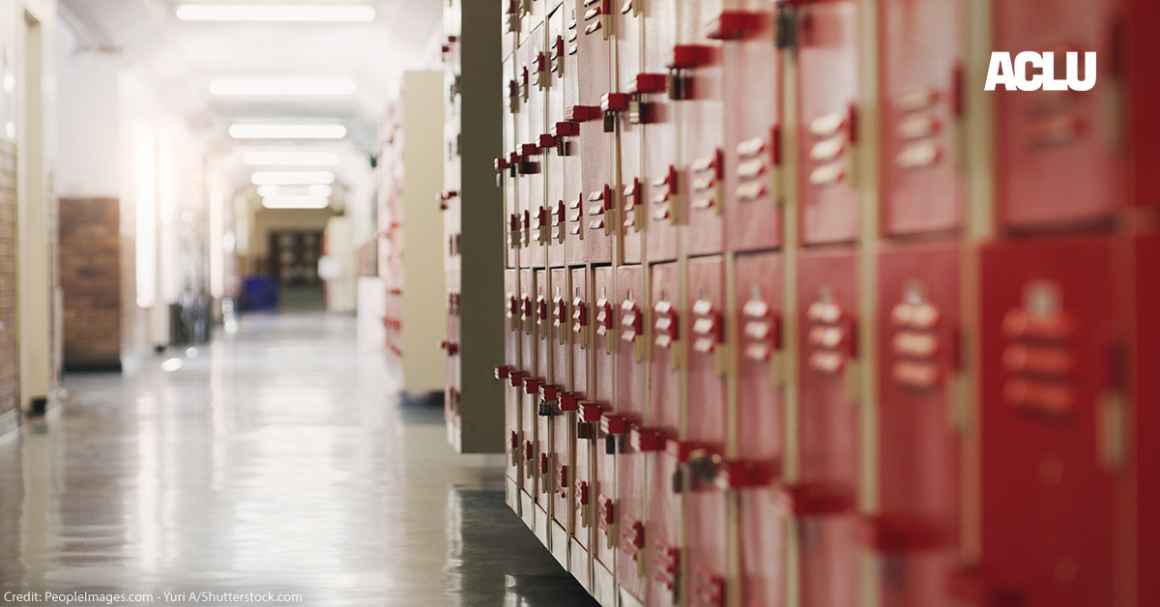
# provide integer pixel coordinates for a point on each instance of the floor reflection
(277, 460)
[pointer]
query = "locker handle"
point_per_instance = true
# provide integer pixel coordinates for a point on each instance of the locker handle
(566, 128)
(547, 141)
(692, 56)
(582, 113)
(819, 499)
(591, 411)
(502, 372)
(614, 102)
(744, 474)
(649, 83)
(569, 401)
(737, 24)
(900, 534)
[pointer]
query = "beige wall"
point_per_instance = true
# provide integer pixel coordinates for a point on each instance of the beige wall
(266, 221)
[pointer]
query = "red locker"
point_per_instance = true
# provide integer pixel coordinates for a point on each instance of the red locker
(621, 109)
(629, 414)
(827, 89)
(824, 497)
(1145, 461)
(553, 147)
(582, 345)
(506, 165)
(663, 526)
(752, 75)
(1058, 158)
(596, 210)
(538, 225)
(921, 99)
(559, 401)
(605, 344)
(917, 526)
(696, 81)
(1051, 465)
(664, 208)
(760, 429)
(705, 502)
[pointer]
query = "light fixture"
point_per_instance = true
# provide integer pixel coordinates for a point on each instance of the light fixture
(254, 130)
(261, 178)
(295, 202)
(286, 158)
(274, 191)
(348, 13)
(281, 87)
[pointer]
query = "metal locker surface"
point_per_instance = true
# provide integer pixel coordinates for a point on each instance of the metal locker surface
(596, 209)
(760, 430)
(605, 345)
(660, 147)
(827, 101)
(696, 80)
(581, 343)
(1051, 468)
(558, 400)
(922, 141)
(1058, 157)
(627, 417)
(529, 383)
(825, 495)
(618, 108)
(1145, 388)
(917, 523)
(538, 224)
(510, 374)
(505, 168)
(525, 161)
(752, 98)
(555, 156)
(565, 132)
(541, 314)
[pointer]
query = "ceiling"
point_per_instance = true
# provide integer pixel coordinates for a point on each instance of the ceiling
(180, 58)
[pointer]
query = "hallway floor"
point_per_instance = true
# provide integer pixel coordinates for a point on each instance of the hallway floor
(277, 460)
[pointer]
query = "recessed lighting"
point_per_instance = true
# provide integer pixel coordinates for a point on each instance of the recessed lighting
(275, 191)
(281, 87)
(261, 178)
(289, 158)
(287, 131)
(295, 202)
(349, 13)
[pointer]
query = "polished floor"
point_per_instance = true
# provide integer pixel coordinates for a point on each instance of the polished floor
(277, 460)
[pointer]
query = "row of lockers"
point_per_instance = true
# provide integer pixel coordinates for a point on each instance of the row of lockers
(796, 315)
(623, 433)
(649, 117)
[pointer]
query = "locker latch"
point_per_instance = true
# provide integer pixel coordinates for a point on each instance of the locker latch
(687, 57)
(580, 320)
(549, 401)
(786, 31)
(633, 208)
(737, 25)
(640, 111)
(664, 200)
(583, 505)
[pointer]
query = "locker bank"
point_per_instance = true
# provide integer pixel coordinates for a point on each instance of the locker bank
(657, 303)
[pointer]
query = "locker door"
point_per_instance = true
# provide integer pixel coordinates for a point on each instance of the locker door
(1057, 155)
(1049, 474)
(1145, 389)
(597, 207)
(619, 107)
(663, 524)
(539, 222)
(510, 374)
(695, 68)
(529, 387)
(629, 404)
(752, 72)
(525, 158)
(824, 498)
(558, 400)
(505, 168)
(827, 128)
(920, 97)
(660, 147)
(705, 503)
(760, 429)
(555, 154)
(568, 219)
(544, 352)
(606, 343)
(916, 527)
(583, 478)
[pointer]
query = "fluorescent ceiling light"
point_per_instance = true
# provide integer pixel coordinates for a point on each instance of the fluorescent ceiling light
(261, 178)
(289, 158)
(349, 13)
(287, 131)
(275, 191)
(281, 87)
(296, 202)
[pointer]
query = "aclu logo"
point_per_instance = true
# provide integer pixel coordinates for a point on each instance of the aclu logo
(1032, 71)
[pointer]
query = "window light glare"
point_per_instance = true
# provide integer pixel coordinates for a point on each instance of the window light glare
(285, 158)
(276, 191)
(295, 202)
(287, 131)
(281, 87)
(332, 13)
(262, 178)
